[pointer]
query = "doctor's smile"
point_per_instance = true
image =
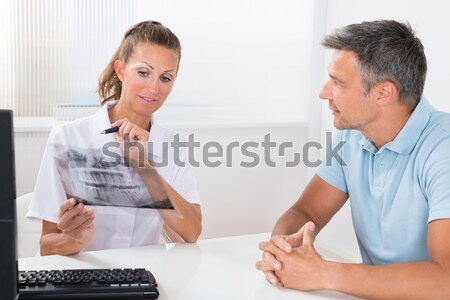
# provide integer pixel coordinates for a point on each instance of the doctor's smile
(148, 100)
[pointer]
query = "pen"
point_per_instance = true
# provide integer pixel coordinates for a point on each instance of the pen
(110, 130)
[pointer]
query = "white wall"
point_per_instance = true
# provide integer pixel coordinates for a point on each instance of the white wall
(252, 56)
(428, 18)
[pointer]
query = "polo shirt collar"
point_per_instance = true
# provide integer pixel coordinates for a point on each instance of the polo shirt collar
(366, 144)
(408, 136)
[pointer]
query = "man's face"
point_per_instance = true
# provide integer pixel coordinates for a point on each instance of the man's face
(345, 93)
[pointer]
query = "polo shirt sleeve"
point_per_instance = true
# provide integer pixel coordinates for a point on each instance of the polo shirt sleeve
(436, 178)
(331, 170)
(49, 191)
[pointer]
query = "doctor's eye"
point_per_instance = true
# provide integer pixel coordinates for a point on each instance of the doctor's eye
(143, 73)
(166, 79)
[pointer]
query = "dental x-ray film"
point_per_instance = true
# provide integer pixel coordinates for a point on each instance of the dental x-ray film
(94, 178)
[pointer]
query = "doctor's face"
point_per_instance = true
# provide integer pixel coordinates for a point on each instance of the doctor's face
(147, 78)
(350, 106)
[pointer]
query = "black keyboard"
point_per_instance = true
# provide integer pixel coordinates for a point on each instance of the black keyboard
(87, 284)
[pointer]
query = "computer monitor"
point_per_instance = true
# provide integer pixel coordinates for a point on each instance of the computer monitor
(8, 245)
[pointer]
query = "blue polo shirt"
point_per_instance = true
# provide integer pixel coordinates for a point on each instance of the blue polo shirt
(395, 191)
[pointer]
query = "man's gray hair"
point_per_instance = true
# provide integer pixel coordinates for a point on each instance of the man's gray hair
(386, 51)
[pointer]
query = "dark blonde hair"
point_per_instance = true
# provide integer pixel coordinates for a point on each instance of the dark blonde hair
(147, 32)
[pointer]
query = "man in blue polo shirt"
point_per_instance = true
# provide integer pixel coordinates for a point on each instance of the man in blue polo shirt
(394, 167)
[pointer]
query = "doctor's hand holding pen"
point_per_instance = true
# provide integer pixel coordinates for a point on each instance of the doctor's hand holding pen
(133, 142)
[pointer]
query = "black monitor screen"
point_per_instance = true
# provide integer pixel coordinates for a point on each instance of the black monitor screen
(8, 252)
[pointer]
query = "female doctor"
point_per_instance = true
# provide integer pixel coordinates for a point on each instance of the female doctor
(139, 77)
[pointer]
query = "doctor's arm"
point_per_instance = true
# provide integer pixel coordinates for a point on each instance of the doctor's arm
(187, 225)
(73, 232)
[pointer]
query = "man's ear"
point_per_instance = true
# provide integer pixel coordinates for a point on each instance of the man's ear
(386, 92)
(118, 68)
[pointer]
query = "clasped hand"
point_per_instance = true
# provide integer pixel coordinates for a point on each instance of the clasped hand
(291, 260)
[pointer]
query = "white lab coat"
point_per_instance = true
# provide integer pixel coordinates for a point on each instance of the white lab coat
(114, 227)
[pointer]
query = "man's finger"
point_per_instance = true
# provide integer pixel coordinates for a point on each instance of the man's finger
(282, 243)
(271, 261)
(295, 239)
(270, 275)
(270, 247)
(272, 278)
(308, 234)
(261, 265)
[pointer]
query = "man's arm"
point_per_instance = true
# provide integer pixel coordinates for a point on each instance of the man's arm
(318, 203)
(303, 269)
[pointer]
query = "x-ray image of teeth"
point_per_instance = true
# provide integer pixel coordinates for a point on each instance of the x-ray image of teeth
(96, 179)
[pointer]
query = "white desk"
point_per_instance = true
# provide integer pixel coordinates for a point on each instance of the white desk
(216, 269)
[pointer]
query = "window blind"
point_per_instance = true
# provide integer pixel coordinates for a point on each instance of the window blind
(239, 58)
(53, 51)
